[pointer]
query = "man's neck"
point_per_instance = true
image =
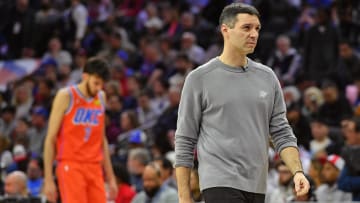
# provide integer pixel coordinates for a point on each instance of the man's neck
(233, 60)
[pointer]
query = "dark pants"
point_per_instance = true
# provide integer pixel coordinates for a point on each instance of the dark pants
(231, 195)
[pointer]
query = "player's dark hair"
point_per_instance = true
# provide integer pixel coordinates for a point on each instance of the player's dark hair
(97, 66)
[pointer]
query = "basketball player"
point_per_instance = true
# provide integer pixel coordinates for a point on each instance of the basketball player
(76, 139)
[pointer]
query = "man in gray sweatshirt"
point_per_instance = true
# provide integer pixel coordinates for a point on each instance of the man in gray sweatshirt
(228, 108)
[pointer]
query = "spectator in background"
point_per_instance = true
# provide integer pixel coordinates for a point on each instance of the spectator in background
(320, 134)
(134, 85)
(113, 112)
(300, 126)
(215, 48)
(137, 139)
(125, 192)
(46, 20)
(44, 95)
(5, 155)
(154, 191)
(21, 133)
(314, 172)
(19, 30)
(15, 185)
(35, 174)
(38, 130)
(7, 120)
(335, 107)
(128, 122)
(137, 160)
(305, 20)
(348, 18)
(183, 66)
(166, 170)
(112, 88)
(112, 45)
(21, 159)
(152, 23)
(292, 96)
(170, 16)
(56, 52)
(167, 120)
(22, 100)
(148, 11)
(285, 61)
(349, 63)
(191, 48)
(349, 179)
(312, 100)
(284, 189)
(329, 191)
(321, 48)
(49, 69)
(146, 112)
(188, 22)
(168, 53)
(161, 99)
(74, 22)
(151, 60)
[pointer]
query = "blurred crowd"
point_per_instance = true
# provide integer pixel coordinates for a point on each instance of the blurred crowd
(312, 46)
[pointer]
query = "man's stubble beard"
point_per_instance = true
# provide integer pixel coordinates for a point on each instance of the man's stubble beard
(91, 94)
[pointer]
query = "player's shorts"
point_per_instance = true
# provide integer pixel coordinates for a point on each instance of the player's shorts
(81, 182)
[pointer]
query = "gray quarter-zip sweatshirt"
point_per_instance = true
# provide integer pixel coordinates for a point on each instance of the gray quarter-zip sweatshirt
(229, 113)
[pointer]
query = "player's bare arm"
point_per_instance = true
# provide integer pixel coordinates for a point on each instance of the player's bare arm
(107, 162)
(58, 109)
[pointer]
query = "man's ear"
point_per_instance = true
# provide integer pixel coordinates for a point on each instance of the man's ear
(224, 28)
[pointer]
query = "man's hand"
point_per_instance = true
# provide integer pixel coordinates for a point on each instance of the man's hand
(50, 191)
(302, 185)
(113, 189)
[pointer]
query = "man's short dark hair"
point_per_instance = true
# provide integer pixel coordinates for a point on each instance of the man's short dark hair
(165, 164)
(97, 66)
(229, 13)
(121, 173)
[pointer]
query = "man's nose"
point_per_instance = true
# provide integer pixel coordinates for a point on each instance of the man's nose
(254, 34)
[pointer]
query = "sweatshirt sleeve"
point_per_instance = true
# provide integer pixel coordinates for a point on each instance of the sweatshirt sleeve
(280, 130)
(188, 124)
(348, 183)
